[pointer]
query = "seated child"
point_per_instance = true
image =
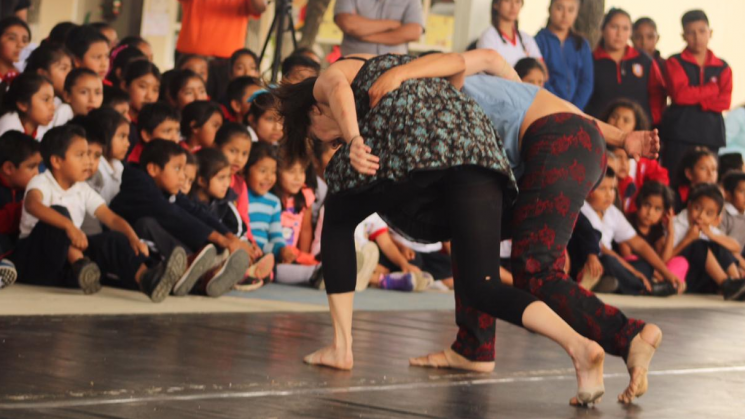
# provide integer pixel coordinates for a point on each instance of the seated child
(18, 34)
(53, 62)
(236, 105)
(402, 276)
(19, 163)
(28, 106)
(730, 162)
(89, 49)
(108, 142)
(190, 173)
(149, 198)
(195, 63)
(155, 120)
(653, 221)
(264, 119)
(698, 166)
(116, 99)
(628, 116)
(710, 253)
(531, 71)
(184, 87)
(141, 81)
(265, 213)
(244, 62)
(733, 216)
(297, 68)
(200, 121)
(55, 204)
(633, 277)
(83, 91)
(121, 57)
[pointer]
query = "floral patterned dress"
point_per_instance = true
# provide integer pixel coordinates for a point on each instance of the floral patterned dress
(426, 125)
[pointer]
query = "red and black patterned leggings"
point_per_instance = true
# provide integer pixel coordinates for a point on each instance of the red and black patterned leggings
(563, 156)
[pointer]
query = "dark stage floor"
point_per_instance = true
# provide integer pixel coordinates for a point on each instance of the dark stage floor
(249, 365)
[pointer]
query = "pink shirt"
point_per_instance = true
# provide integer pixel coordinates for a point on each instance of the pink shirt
(240, 188)
(292, 222)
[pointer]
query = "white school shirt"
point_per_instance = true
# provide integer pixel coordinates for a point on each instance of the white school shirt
(613, 226)
(62, 113)
(12, 122)
(681, 226)
(107, 182)
(369, 229)
(732, 210)
(511, 52)
(80, 199)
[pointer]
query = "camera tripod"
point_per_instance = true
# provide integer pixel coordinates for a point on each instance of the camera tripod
(282, 16)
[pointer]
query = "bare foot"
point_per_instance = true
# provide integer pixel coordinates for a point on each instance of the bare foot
(640, 356)
(450, 359)
(331, 357)
(588, 362)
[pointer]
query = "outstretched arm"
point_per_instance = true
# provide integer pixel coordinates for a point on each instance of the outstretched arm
(333, 88)
(490, 62)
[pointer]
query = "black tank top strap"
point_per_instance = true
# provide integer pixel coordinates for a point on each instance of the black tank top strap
(364, 60)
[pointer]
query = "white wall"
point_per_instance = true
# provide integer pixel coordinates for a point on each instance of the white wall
(726, 17)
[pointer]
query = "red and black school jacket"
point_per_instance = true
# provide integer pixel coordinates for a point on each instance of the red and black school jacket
(637, 77)
(11, 205)
(699, 96)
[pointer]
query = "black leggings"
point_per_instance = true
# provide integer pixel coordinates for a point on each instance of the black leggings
(471, 200)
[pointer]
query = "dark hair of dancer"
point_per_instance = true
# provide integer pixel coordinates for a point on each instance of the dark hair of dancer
(296, 101)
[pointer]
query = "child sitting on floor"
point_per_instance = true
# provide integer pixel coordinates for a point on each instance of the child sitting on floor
(264, 118)
(713, 266)
(200, 121)
(83, 92)
(28, 106)
(19, 163)
(698, 166)
(634, 277)
(733, 216)
(156, 120)
(54, 207)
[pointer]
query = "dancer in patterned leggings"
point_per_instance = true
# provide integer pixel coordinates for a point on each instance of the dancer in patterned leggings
(430, 163)
(557, 154)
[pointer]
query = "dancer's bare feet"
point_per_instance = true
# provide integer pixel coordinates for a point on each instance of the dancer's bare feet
(640, 356)
(588, 362)
(450, 359)
(331, 357)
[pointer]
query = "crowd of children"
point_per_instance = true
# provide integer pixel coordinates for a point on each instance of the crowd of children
(118, 174)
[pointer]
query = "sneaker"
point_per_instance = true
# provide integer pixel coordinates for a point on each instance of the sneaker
(88, 276)
(607, 285)
(398, 281)
(8, 273)
(663, 289)
(249, 284)
(733, 289)
(223, 278)
(198, 264)
(587, 281)
(316, 281)
(422, 281)
(263, 268)
(367, 260)
(158, 282)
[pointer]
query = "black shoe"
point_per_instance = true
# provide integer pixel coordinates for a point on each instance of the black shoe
(222, 279)
(157, 282)
(88, 276)
(197, 265)
(607, 285)
(663, 289)
(733, 289)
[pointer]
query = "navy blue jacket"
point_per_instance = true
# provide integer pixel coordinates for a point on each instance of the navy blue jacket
(570, 69)
(140, 197)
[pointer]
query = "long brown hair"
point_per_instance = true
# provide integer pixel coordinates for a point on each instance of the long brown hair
(295, 103)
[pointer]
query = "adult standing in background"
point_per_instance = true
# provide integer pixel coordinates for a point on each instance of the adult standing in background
(505, 37)
(378, 26)
(216, 29)
(567, 54)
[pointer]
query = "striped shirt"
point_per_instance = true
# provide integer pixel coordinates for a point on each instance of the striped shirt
(265, 213)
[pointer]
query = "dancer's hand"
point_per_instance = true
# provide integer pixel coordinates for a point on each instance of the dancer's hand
(640, 144)
(386, 83)
(361, 158)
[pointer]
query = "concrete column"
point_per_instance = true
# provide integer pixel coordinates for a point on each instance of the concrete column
(472, 17)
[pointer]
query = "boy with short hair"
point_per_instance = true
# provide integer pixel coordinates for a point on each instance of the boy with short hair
(90, 49)
(633, 276)
(156, 120)
(19, 163)
(710, 253)
(150, 199)
(117, 99)
(53, 251)
(700, 85)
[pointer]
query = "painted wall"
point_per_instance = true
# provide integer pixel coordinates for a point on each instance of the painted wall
(726, 17)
